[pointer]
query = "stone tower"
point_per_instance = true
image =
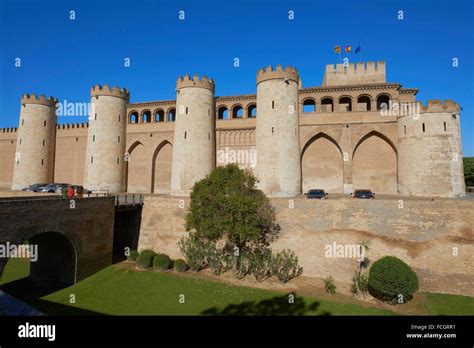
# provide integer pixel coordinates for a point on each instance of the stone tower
(194, 148)
(105, 154)
(277, 132)
(36, 142)
(429, 151)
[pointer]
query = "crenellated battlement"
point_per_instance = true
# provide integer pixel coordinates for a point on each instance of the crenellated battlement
(99, 90)
(436, 105)
(268, 73)
(187, 81)
(9, 130)
(41, 100)
(354, 74)
(73, 125)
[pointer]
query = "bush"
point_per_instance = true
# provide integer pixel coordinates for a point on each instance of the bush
(161, 262)
(180, 266)
(329, 285)
(145, 259)
(194, 252)
(261, 265)
(133, 255)
(216, 259)
(285, 266)
(389, 278)
(363, 281)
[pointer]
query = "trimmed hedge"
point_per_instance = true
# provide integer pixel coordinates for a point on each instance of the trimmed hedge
(145, 259)
(161, 262)
(180, 265)
(133, 255)
(390, 277)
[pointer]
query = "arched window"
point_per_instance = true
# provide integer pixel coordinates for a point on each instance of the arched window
(222, 113)
(146, 116)
(252, 110)
(363, 103)
(172, 114)
(309, 105)
(327, 105)
(133, 117)
(237, 112)
(345, 104)
(383, 102)
(159, 115)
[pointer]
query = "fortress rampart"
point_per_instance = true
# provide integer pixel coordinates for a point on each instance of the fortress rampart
(354, 131)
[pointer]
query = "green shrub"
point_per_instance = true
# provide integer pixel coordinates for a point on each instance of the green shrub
(216, 259)
(284, 265)
(161, 262)
(194, 251)
(133, 255)
(180, 265)
(261, 264)
(363, 282)
(390, 277)
(329, 285)
(145, 259)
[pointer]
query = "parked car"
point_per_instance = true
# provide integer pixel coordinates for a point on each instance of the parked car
(51, 188)
(364, 194)
(316, 194)
(34, 187)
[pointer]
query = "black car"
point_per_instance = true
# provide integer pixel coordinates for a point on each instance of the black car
(364, 194)
(316, 194)
(34, 187)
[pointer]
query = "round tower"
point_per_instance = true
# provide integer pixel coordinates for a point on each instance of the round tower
(277, 132)
(105, 166)
(36, 142)
(194, 148)
(429, 151)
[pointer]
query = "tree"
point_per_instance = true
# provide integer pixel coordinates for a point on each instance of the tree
(469, 170)
(226, 206)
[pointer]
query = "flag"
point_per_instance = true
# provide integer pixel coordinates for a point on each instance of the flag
(348, 49)
(357, 50)
(337, 49)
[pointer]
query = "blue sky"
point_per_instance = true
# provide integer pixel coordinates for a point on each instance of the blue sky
(65, 58)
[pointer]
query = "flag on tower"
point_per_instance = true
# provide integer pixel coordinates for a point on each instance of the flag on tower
(337, 49)
(348, 49)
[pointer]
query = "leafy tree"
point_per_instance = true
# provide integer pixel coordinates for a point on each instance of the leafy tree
(468, 170)
(226, 206)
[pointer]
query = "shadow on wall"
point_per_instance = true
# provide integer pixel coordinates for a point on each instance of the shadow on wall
(279, 305)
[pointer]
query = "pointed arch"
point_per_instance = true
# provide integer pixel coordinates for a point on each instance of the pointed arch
(375, 163)
(161, 174)
(134, 164)
(322, 165)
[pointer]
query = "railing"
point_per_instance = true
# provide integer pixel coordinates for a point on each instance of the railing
(126, 200)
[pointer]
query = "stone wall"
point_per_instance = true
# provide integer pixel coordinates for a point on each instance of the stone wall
(421, 232)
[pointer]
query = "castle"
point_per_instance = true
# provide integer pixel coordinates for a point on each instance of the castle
(354, 131)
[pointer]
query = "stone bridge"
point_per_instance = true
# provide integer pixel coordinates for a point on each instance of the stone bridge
(74, 239)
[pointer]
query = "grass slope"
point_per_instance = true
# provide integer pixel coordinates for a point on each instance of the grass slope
(117, 291)
(14, 270)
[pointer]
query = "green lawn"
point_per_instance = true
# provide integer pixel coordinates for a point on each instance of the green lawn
(15, 269)
(117, 291)
(444, 304)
